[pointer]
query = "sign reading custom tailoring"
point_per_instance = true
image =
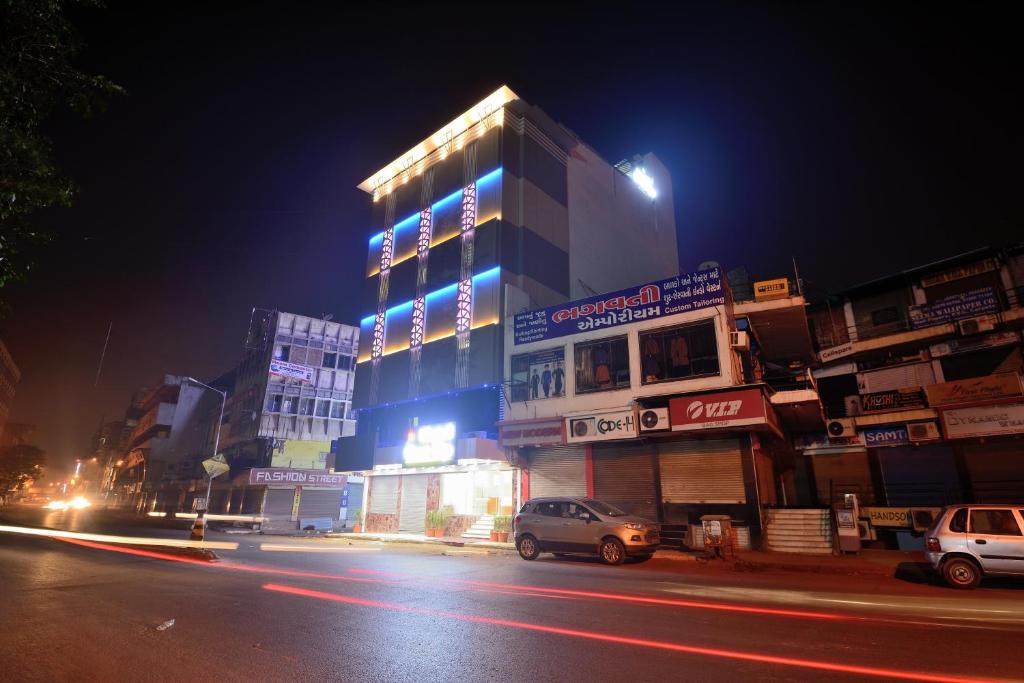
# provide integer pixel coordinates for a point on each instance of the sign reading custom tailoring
(681, 294)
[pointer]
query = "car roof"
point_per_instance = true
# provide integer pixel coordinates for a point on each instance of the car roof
(557, 499)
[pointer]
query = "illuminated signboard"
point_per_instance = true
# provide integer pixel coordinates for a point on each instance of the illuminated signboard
(430, 445)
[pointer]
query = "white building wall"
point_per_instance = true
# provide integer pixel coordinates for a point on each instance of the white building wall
(729, 367)
(618, 236)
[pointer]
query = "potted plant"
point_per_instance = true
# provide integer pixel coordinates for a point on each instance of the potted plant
(356, 526)
(435, 523)
(502, 527)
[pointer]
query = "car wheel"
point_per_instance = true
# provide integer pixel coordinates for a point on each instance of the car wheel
(612, 551)
(961, 573)
(528, 548)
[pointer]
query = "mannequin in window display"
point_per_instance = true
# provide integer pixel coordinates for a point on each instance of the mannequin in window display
(559, 376)
(652, 360)
(535, 384)
(679, 353)
(545, 380)
(602, 366)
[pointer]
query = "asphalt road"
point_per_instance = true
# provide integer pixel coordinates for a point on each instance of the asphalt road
(295, 609)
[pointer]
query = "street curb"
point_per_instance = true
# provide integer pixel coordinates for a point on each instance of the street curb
(371, 538)
(201, 554)
(748, 566)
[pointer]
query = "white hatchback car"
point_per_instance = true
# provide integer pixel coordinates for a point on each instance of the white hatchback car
(969, 542)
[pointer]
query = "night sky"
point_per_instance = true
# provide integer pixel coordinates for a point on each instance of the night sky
(861, 141)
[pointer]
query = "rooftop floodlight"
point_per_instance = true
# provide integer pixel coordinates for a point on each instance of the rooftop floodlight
(644, 181)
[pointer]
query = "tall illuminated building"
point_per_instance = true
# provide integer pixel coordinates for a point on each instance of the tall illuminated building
(500, 210)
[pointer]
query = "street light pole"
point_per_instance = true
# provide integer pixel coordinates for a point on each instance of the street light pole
(216, 436)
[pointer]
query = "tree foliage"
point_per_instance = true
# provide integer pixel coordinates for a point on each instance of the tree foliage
(19, 466)
(37, 77)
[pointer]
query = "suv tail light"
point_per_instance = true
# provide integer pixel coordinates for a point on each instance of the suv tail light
(933, 545)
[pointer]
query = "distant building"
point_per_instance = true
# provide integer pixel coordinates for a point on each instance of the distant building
(174, 431)
(9, 378)
(499, 211)
(17, 434)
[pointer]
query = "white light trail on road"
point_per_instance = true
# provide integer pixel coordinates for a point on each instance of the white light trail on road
(129, 540)
(313, 549)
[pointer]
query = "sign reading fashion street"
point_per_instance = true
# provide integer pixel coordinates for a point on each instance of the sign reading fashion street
(954, 307)
(601, 426)
(680, 294)
(284, 475)
(720, 409)
(291, 370)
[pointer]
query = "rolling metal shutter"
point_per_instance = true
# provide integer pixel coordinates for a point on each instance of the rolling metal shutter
(412, 518)
(624, 477)
(994, 469)
(383, 495)
(558, 471)
(701, 471)
(277, 510)
(320, 503)
(899, 377)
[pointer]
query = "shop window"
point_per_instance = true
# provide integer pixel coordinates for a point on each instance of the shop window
(885, 316)
(338, 410)
(345, 363)
(282, 352)
(994, 522)
(602, 365)
(306, 406)
(330, 360)
(679, 353)
(323, 408)
(538, 375)
(291, 405)
(274, 403)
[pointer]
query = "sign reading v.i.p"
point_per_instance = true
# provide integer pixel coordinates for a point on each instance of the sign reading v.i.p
(680, 294)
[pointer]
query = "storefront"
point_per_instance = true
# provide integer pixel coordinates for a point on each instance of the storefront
(989, 437)
(295, 498)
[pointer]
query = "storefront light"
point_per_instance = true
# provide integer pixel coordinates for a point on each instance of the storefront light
(430, 444)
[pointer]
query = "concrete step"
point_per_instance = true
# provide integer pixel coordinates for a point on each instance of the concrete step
(477, 534)
(802, 550)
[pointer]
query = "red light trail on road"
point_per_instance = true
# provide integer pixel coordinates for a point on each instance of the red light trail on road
(738, 655)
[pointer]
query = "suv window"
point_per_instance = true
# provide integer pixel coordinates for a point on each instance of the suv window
(959, 521)
(995, 522)
(550, 509)
(574, 511)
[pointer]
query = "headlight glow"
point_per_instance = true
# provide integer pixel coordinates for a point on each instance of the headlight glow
(636, 526)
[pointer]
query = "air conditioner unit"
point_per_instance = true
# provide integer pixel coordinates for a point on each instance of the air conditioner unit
(739, 340)
(842, 428)
(923, 431)
(982, 323)
(654, 419)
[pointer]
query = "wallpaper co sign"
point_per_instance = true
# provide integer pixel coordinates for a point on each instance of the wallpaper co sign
(721, 409)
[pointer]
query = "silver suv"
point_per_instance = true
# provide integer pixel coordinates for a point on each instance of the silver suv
(583, 525)
(968, 542)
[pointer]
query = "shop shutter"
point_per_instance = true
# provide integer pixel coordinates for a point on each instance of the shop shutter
(279, 504)
(701, 471)
(845, 472)
(899, 377)
(919, 475)
(558, 471)
(320, 503)
(995, 470)
(624, 477)
(383, 495)
(412, 517)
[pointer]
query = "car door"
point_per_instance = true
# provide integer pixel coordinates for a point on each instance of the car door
(547, 524)
(995, 536)
(578, 526)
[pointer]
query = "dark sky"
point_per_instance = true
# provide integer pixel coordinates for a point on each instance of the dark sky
(860, 140)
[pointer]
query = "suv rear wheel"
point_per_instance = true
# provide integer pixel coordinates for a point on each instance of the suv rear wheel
(961, 573)
(528, 547)
(612, 551)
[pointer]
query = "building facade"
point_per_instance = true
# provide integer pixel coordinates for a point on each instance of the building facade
(657, 399)
(920, 383)
(501, 210)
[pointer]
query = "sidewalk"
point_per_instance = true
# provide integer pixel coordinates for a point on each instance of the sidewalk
(420, 538)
